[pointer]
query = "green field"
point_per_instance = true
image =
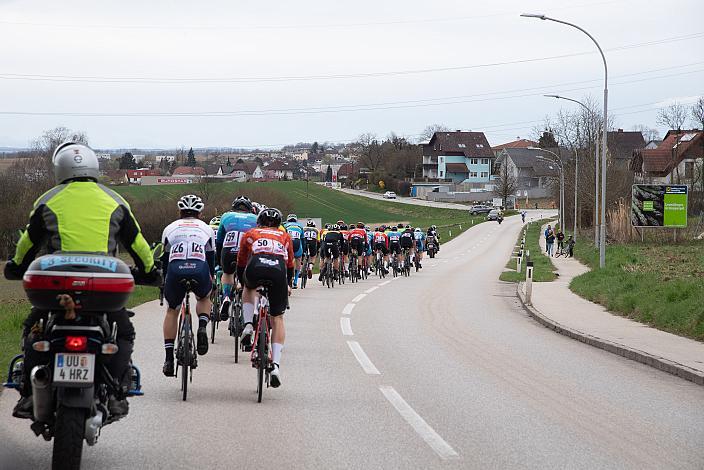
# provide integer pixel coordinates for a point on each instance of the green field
(543, 269)
(314, 200)
(660, 285)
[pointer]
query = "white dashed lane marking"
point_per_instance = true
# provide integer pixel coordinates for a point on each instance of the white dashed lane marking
(348, 309)
(359, 297)
(371, 289)
(427, 433)
(362, 358)
(384, 283)
(346, 326)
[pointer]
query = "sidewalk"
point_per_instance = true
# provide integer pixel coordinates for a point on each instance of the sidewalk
(558, 308)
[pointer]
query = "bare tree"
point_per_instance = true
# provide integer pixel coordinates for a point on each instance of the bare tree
(649, 133)
(697, 112)
(372, 155)
(673, 116)
(506, 182)
(430, 130)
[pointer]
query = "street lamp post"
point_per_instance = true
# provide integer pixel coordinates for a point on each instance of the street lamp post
(596, 173)
(558, 163)
(602, 223)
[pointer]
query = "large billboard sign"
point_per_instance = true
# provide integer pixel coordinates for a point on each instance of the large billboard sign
(659, 205)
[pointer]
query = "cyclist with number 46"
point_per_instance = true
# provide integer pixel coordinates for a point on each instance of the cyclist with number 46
(266, 254)
(189, 252)
(298, 240)
(233, 225)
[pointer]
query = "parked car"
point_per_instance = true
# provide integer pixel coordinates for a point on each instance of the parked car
(389, 195)
(479, 209)
(493, 214)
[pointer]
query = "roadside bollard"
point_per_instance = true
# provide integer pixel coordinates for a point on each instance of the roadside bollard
(460, 227)
(529, 281)
(450, 233)
(518, 261)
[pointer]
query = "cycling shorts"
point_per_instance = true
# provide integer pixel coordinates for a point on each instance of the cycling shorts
(358, 245)
(406, 242)
(330, 249)
(381, 247)
(312, 248)
(180, 271)
(269, 268)
(395, 248)
(420, 246)
(297, 246)
(228, 261)
(345, 247)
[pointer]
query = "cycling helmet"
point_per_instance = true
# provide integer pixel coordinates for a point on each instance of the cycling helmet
(215, 221)
(310, 223)
(394, 229)
(417, 229)
(360, 225)
(400, 225)
(269, 217)
(343, 227)
(242, 204)
(434, 227)
(73, 160)
(190, 202)
(292, 218)
(335, 227)
(340, 222)
(327, 226)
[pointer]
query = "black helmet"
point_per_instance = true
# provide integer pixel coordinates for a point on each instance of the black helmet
(242, 203)
(310, 223)
(269, 217)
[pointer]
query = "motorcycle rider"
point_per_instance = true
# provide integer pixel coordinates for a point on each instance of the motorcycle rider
(79, 214)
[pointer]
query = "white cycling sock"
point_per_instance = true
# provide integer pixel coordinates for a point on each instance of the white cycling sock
(248, 312)
(276, 349)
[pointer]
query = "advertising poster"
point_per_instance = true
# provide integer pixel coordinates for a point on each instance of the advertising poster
(659, 205)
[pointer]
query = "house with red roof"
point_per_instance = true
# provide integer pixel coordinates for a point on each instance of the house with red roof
(458, 156)
(135, 176)
(678, 159)
(189, 171)
(514, 144)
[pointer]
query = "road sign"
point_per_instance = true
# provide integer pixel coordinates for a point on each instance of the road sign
(659, 205)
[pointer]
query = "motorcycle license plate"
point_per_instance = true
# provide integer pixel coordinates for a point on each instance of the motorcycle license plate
(74, 368)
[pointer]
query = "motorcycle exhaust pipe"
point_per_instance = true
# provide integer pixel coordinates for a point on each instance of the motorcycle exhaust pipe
(42, 394)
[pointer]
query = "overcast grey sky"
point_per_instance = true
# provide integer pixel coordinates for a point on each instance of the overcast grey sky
(270, 65)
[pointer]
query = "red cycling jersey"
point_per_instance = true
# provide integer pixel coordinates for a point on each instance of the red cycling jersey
(381, 237)
(358, 233)
(265, 241)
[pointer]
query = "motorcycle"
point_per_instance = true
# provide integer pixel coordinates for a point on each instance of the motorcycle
(500, 219)
(431, 247)
(71, 390)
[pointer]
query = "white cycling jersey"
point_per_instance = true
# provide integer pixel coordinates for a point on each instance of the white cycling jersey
(188, 239)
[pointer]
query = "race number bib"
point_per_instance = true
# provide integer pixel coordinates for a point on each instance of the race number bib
(187, 250)
(269, 246)
(294, 234)
(232, 239)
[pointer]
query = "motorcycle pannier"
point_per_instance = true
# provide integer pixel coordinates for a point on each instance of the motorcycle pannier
(97, 283)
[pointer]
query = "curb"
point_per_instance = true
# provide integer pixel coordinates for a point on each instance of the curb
(657, 362)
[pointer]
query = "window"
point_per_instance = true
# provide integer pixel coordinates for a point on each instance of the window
(474, 161)
(485, 161)
(689, 170)
(472, 174)
(480, 146)
(461, 146)
(485, 174)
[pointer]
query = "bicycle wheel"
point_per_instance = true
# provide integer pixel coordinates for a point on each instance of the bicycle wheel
(186, 362)
(214, 319)
(262, 359)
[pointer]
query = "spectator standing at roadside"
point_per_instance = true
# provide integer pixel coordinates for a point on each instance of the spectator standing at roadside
(570, 246)
(546, 233)
(549, 240)
(523, 217)
(560, 240)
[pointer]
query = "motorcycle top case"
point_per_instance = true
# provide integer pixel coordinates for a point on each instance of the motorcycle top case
(96, 282)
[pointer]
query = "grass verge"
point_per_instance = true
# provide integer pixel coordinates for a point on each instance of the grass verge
(659, 285)
(543, 269)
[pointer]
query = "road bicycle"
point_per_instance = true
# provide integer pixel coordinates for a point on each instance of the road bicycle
(261, 352)
(236, 323)
(394, 264)
(354, 268)
(416, 259)
(305, 262)
(379, 264)
(186, 344)
(406, 268)
(328, 276)
(216, 300)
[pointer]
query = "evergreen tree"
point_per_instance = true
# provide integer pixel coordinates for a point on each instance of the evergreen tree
(127, 161)
(547, 140)
(314, 148)
(328, 174)
(191, 158)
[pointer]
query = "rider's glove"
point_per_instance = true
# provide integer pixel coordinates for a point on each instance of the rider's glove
(13, 271)
(152, 278)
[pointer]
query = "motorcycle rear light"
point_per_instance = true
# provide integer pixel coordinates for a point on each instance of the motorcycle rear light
(76, 343)
(109, 348)
(41, 346)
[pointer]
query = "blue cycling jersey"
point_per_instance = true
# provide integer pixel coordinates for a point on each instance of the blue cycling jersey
(233, 225)
(394, 236)
(298, 239)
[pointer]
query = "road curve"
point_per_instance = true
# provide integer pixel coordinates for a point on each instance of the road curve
(441, 370)
(406, 200)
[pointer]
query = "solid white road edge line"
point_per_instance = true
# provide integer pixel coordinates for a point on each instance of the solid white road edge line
(359, 297)
(371, 289)
(348, 309)
(384, 283)
(362, 358)
(428, 434)
(346, 326)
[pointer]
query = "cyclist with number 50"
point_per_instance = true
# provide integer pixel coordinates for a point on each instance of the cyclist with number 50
(233, 225)
(189, 252)
(266, 254)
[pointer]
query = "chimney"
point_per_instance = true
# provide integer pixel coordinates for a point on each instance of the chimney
(620, 130)
(458, 130)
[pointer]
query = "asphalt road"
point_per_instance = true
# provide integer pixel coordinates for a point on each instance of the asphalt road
(441, 370)
(406, 200)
